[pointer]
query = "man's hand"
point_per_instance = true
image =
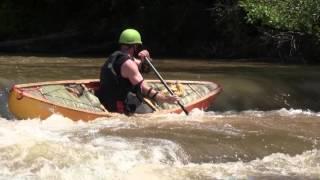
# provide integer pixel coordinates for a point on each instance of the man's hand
(172, 99)
(143, 54)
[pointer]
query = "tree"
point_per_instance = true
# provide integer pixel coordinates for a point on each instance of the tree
(289, 22)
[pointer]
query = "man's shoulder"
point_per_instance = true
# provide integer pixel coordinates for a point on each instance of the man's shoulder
(129, 68)
(129, 64)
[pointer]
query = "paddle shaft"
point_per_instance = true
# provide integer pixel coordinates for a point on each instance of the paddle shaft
(165, 84)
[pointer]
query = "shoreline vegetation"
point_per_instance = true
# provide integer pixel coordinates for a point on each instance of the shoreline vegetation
(282, 31)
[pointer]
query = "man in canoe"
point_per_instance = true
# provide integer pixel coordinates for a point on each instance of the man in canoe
(122, 86)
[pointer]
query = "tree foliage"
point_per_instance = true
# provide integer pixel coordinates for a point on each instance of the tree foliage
(294, 25)
(207, 28)
(291, 15)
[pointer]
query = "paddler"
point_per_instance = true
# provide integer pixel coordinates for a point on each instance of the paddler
(122, 86)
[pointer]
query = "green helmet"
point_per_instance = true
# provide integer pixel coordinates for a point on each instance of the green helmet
(130, 36)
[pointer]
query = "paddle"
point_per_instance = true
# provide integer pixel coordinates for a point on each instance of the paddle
(165, 84)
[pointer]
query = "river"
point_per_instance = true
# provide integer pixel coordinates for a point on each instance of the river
(264, 125)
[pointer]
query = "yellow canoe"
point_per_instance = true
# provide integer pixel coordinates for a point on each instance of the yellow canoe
(75, 99)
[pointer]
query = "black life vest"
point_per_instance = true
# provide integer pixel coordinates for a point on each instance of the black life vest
(113, 87)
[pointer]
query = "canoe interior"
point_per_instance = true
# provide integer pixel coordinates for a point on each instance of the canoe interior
(188, 92)
(75, 96)
(81, 95)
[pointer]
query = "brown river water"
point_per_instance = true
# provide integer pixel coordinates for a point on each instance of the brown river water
(264, 125)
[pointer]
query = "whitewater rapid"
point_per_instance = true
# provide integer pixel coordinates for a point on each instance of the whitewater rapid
(155, 147)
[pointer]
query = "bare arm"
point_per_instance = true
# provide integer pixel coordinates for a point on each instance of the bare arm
(130, 70)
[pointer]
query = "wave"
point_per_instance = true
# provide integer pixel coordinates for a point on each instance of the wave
(204, 145)
(274, 166)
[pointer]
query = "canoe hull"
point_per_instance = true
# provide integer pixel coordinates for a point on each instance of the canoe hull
(24, 105)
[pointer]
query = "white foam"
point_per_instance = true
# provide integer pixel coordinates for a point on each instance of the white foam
(275, 165)
(254, 113)
(37, 149)
(59, 148)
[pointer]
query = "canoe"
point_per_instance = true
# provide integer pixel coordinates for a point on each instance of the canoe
(76, 99)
